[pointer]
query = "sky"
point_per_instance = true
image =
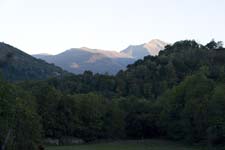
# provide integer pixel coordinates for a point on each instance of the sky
(53, 26)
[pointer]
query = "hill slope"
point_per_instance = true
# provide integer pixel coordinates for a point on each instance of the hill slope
(17, 65)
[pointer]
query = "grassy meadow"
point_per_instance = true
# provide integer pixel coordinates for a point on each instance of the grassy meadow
(129, 145)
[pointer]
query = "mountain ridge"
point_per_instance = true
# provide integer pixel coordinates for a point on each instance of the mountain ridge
(77, 60)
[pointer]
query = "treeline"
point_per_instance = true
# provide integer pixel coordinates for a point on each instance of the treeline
(178, 95)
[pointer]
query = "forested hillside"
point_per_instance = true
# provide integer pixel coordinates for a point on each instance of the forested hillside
(17, 65)
(177, 95)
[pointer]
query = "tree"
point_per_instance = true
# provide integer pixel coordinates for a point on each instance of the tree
(27, 129)
(7, 112)
(216, 107)
(47, 99)
(114, 123)
(67, 116)
(19, 122)
(184, 109)
(140, 118)
(214, 45)
(91, 112)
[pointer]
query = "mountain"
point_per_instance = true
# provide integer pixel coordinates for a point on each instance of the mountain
(78, 60)
(16, 65)
(139, 51)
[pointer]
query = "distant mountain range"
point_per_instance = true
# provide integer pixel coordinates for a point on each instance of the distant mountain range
(16, 65)
(77, 60)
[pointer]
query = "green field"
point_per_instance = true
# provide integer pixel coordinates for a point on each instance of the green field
(128, 145)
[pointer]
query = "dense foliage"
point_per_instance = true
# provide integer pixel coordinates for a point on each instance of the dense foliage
(179, 95)
(19, 122)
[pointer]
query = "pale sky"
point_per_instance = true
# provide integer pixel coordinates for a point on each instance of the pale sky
(52, 26)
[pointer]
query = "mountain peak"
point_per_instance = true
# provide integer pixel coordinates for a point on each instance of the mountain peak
(156, 41)
(154, 46)
(85, 48)
(151, 48)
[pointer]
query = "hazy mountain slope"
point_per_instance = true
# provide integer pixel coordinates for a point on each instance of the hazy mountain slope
(139, 51)
(17, 65)
(77, 60)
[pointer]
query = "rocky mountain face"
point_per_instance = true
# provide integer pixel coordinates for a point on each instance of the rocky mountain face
(140, 51)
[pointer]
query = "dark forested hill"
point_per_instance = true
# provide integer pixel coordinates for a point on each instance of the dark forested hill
(17, 65)
(154, 75)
